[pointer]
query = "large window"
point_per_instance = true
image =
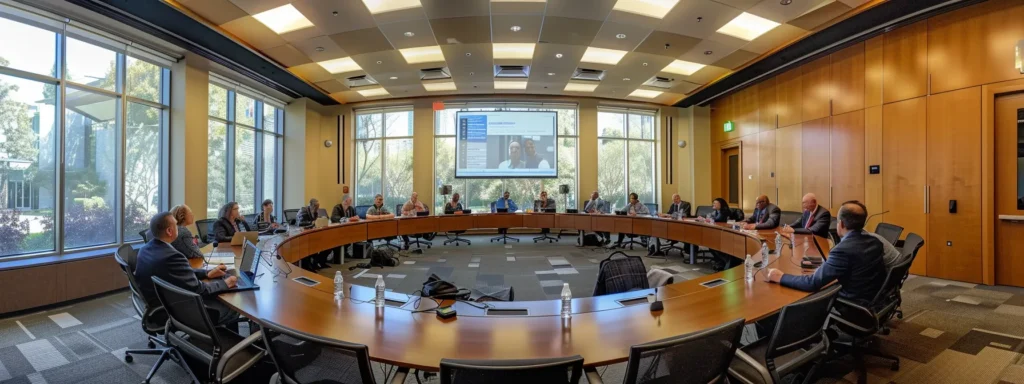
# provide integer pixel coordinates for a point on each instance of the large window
(625, 156)
(89, 110)
(477, 194)
(383, 158)
(244, 155)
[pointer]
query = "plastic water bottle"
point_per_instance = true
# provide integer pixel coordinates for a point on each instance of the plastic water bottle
(380, 291)
(778, 244)
(765, 257)
(748, 267)
(339, 285)
(566, 301)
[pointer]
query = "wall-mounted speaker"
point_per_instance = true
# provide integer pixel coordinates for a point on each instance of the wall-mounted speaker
(445, 189)
(564, 188)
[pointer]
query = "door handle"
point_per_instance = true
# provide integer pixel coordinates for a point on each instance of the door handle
(927, 199)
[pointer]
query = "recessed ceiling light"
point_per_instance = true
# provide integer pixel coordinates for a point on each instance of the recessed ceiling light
(551, 73)
(708, 52)
(409, 34)
(602, 56)
(620, 36)
(335, 13)
(472, 73)
(468, 54)
(342, 65)
(786, 2)
(382, 6)
(422, 54)
(650, 8)
(283, 19)
(645, 93)
(513, 50)
(319, 49)
(394, 77)
(516, 28)
(682, 67)
(747, 27)
(445, 86)
(625, 79)
(580, 87)
(373, 92)
(380, 62)
(645, 64)
(509, 85)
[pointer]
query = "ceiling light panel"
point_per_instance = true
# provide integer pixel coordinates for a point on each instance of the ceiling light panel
(374, 92)
(747, 27)
(518, 1)
(580, 87)
(645, 93)
(342, 65)
(509, 85)
(650, 8)
(513, 50)
(602, 56)
(283, 19)
(434, 87)
(383, 6)
(682, 67)
(422, 54)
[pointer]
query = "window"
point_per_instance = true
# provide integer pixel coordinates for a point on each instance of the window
(244, 149)
(477, 194)
(383, 158)
(625, 156)
(96, 119)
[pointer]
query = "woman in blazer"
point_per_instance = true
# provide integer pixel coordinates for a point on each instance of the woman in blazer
(186, 243)
(230, 222)
(721, 213)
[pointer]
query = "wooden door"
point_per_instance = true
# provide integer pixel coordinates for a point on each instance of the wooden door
(1009, 177)
(731, 170)
(903, 170)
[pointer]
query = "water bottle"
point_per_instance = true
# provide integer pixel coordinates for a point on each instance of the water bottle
(339, 285)
(765, 258)
(748, 267)
(778, 244)
(566, 301)
(380, 291)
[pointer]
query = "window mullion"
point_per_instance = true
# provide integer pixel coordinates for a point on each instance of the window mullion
(58, 219)
(121, 136)
(229, 144)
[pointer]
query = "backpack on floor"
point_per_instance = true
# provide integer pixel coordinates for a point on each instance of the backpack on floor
(590, 240)
(383, 257)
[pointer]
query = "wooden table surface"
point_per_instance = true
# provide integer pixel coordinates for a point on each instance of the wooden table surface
(601, 328)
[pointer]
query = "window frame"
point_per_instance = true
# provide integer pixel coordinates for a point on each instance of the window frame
(626, 139)
(383, 139)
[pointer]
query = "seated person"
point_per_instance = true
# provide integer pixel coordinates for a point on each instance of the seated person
(453, 206)
(678, 210)
(543, 203)
(815, 220)
(597, 205)
(378, 211)
(506, 203)
(185, 243)
(230, 221)
(533, 160)
(720, 210)
(266, 223)
(514, 158)
(159, 259)
(307, 218)
(411, 208)
(634, 208)
(344, 212)
(766, 215)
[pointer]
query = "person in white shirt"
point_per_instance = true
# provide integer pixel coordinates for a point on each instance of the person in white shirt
(597, 205)
(411, 208)
(514, 157)
(533, 160)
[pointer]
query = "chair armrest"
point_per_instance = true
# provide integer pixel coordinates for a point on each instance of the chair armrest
(766, 376)
(245, 343)
(400, 375)
(592, 376)
(858, 312)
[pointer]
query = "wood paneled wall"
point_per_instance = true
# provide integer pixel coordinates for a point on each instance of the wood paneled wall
(31, 287)
(910, 101)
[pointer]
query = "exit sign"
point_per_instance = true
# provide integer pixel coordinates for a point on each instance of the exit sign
(729, 126)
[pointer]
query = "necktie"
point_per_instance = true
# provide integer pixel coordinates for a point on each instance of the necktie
(760, 217)
(807, 224)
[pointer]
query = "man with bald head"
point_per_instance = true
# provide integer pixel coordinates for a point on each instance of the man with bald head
(412, 208)
(766, 215)
(515, 157)
(815, 219)
(678, 209)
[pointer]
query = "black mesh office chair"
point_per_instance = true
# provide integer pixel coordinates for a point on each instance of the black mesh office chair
(789, 217)
(250, 219)
(455, 239)
(290, 215)
(303, 358)
(504, 238)
(545, 233)
(833, 230)
(704, 210)
(205, 228)
(566, 370)
(652, 210)
(191, 332)
(890, 232)
(698, 357)
(361, 211)
(737, 214)
(797, 340)
(153, 319)
(144, 234)
(911, 246)
(620, 273)
(416, 238)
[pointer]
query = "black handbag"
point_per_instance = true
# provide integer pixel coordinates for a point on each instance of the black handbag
(436, 288)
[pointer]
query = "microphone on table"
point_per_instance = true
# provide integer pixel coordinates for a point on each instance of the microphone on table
(213, 250)
(869, 217)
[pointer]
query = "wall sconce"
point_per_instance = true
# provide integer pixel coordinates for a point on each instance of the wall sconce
(1020, 57)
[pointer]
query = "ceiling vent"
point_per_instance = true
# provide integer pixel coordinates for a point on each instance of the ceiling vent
(360, 81)
(511, 71)
(439, 73)
(659, 82)
(588, 74)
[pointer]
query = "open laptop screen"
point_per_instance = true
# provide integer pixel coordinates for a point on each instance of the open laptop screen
(248, 263)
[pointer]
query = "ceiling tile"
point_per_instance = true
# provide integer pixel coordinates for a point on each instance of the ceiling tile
(302, 34)
(480, 55)
(253, 33)
(566, 30)
(256, 6)
(742, 5)
(400, 78)
(287, 55)
(606, 37)
(853, 3)
(422, 34)
(517, 8)
(439, 9)
(352, 15)
(699, 53)
(594, 9)
(330, 49)
(774, 10)
(529, 25)
(215, 11)
(544, 57)
(684, 87)
(400, 16)
(462, 30)
(332, 86)
(704, 75)
(632, 67)
(472, 74)
(818, 16)
(312, 72)
(345, 96)
(390, 61)
(362, 41)
(620, 17)
(698, 18)
(783, 34)
(667, 44)
(736, 59)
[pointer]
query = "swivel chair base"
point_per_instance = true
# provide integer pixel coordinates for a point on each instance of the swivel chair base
(545, 235)
(387, 243)
(457, 240)
(419, 242)
(633, 240)
(164, 352)
(861, 348)
(504, 238)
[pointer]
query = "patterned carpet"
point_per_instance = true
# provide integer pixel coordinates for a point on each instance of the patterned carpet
(952, 332)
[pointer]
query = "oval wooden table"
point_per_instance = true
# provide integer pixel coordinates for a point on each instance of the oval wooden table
(407, 333)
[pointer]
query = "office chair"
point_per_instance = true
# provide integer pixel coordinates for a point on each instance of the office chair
(890, 232)
(545, 233)
(416, 238)
(304, 358)
(789, 217)
(204, 227)
(797, 340)
(833, 231)
(504, 238)
(704, 210)
(191, 332)
(911, 246)
(455, 239)
(250, 219)
(737, 214)
(698, 357)
(145, 235)
(567, 370)
(652, 210)
(620, 273)
(290, 215)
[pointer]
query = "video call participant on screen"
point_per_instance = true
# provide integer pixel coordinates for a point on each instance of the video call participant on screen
(766, 215)
(634, 208)
(543, 203)
(533, 160)
(454, 205)
(515, 160)
(597, 205)
(411, 208)
(378, 211)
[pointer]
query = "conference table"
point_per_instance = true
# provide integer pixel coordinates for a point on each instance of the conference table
(407, 333)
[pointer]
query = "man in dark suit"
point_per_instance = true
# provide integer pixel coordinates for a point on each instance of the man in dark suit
(159, 259)
(856, 261)
(306, 218)
(815, 219)
(766, 215)
(678, 209)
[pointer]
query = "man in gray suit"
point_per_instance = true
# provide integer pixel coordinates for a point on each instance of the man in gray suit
(598, 206)
(766, 215)
(159, 259)
(815, 219)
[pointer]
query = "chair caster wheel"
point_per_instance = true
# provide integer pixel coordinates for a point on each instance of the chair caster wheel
(895, 366)
(884, 332)
(128, 358)
(899, 315)
(151, 344)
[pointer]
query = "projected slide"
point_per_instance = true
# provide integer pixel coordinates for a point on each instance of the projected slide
(505, 144)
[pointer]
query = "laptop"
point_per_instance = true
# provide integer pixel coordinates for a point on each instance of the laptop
(240, 237)
(502, 210)
(246, 269)
(422, 213)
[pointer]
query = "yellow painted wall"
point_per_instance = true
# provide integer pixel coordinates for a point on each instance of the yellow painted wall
(189, 135)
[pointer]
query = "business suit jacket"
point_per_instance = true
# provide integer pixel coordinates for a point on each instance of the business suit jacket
(186, 244)
(450, 209)
(767, 218)
(679, 210)
(339, 213)
(306, 216)
(856, 262)
(598, 205)
(223, 230)
(550, 204)
(160, 259)
(819, 223)
(722, 215)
